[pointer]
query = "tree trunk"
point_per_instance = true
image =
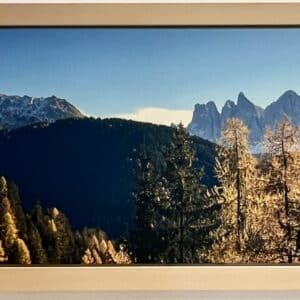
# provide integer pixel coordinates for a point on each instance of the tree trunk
(181, 238)
(238, 188)
(286, 201)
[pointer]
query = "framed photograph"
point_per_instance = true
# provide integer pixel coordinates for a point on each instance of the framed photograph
(149, 148)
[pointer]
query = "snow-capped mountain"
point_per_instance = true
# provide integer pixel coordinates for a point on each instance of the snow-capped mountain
(207, 121)
(17, 111)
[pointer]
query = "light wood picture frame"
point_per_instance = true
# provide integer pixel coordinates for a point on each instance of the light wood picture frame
(150, 278)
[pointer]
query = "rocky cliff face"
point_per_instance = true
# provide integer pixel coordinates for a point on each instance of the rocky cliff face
(288, 104)
(208, 122)
(16, 111)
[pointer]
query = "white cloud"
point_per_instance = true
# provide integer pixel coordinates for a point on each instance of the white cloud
(159, 115)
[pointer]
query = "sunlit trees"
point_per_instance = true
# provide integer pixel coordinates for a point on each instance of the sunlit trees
(252, 215)
(3, 257)
(17, 251)
(236, 171)
(122, 257)
(282, 145)
(260, 198)
(63, 236)
(100, 250)
(23, 252)
(45, 236)
(17, 209)
(264, 215)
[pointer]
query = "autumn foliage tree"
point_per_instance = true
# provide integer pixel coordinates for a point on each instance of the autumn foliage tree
(282, 145)
(16, 248)
(45, 236)
(248, 224)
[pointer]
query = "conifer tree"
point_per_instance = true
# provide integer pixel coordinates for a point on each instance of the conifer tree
(42, 222)
(145, 240)
(64, 239)
(266, 240)
(17, 209)
(236, 171)
(40, 219)
(122, 257)
(186, 211)
(174, 211)
(10, 229)
(23, 252)
(3, 257)
(37, 251)
(3, 187)
(15, 246)
(79, 247)
(282, 145)
(87, 258)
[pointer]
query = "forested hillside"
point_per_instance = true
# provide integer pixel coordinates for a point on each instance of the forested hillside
(250, 215)
(87, 167)
(45, 236)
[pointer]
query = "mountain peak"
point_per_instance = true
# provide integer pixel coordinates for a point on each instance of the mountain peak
(289, 94)
(17, 111)
(257, 119)
(212, 105)
(205, 121)
(229, 104)
(242, 100)
(241, 95)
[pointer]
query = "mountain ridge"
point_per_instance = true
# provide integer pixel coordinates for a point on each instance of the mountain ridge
(19, 111)
(208, 121)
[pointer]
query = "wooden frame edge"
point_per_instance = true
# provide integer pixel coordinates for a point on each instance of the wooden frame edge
(150, 14)
(139, 279)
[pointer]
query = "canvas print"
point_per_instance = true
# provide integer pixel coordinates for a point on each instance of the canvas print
(123, 146)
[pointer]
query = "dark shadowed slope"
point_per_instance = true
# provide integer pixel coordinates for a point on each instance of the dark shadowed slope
(85, 167)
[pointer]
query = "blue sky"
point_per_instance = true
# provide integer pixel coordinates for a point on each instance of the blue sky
(109, 72)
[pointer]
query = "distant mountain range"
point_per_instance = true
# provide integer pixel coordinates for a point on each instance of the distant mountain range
(17, 111)
(86, 166)
(207, 121)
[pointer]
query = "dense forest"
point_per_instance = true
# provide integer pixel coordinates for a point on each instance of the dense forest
(90, 161)
(251, 214)
(45, 236)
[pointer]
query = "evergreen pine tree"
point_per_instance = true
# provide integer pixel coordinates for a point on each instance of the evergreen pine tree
(64, 239)
(42, 222)
(10, 229)
(79, 247)
(17, 209)
(187, 214)
(145, 241)
(23, 252)
(3, 257)
(174, 213)
(87, 258)
(122, 257)
(38, 253)
(15, 247)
